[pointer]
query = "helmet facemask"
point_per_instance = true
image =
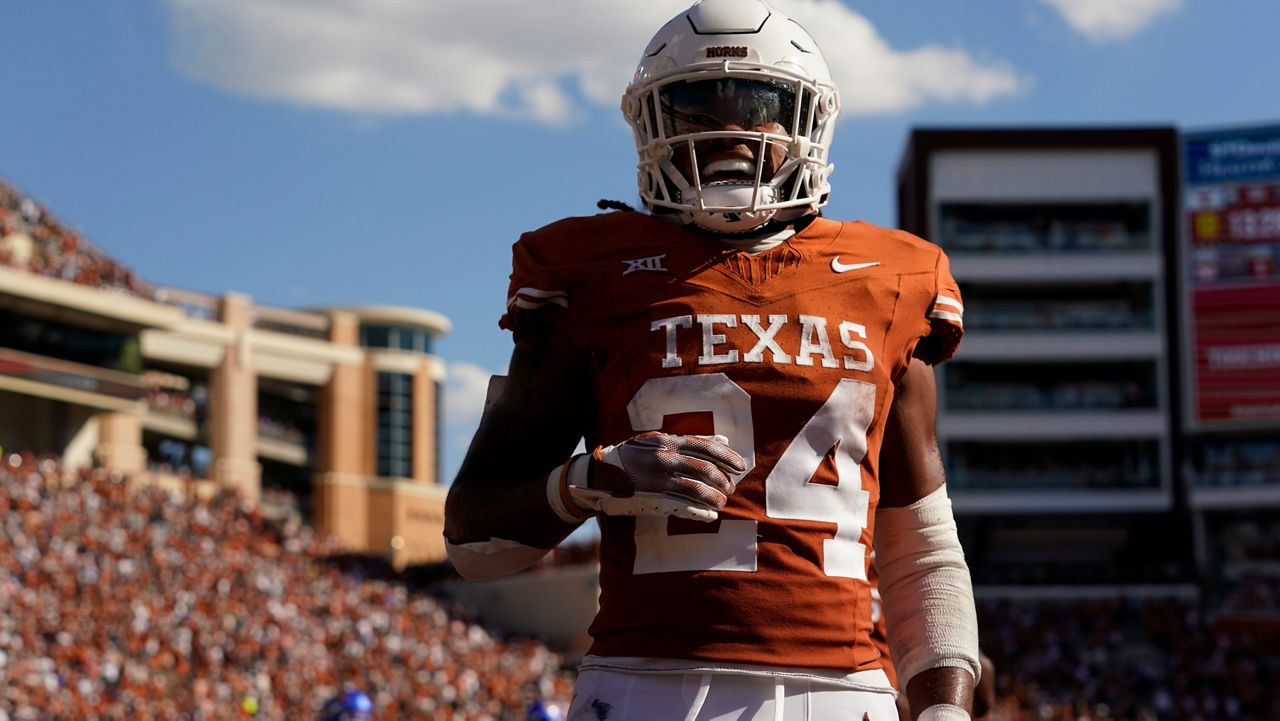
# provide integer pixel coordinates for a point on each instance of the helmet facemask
(733, 146)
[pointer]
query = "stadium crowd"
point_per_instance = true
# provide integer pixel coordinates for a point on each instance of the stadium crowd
(1142, 659)
(1134, 659)
(1235, 462)
(1254, 593)
(32, 239)
(148, 606)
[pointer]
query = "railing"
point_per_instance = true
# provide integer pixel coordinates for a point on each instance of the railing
(291, 322)
(200, 306)
(66, 374)
(203, 306)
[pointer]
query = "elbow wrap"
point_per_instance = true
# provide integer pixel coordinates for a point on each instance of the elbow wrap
(924, 583)
(492, 558)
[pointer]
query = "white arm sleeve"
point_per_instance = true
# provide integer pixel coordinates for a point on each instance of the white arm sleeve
(924, 583)
(492, 558)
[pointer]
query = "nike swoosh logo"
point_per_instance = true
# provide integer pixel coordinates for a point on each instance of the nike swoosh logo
(839, 267)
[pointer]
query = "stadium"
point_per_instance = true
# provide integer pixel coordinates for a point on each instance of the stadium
(267, 450)
(205, 503)
(218, 509)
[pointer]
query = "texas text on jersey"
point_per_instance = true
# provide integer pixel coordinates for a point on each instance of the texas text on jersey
(792, 356)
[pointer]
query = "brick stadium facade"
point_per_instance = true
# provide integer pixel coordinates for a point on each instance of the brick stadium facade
(336, 406)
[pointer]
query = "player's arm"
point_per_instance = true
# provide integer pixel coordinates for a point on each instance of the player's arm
(519, 492)
(497, 519)
(924, 581)
(984, 694)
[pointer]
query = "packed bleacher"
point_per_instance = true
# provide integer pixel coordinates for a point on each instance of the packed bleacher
(1254, 593)
(1144, 659)
(1125, 659)
(144, 605)
(1069, 464)
(1022, 395)
(170, 402)
(1235, 462)
(1022, 314)
(34, 240)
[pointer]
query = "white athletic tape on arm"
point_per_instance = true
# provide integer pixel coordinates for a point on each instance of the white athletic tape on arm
(943, 712)
(490, 559)
(925, 586)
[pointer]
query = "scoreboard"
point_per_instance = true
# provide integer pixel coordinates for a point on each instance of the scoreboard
(1231, 252)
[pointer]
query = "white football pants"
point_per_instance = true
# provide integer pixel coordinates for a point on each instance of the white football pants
(602, 695)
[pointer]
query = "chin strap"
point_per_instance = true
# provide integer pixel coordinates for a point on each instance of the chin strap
(733, 194)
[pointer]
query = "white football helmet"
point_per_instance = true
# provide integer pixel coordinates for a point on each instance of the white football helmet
(732, 108)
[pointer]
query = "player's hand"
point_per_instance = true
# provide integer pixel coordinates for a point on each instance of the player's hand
(659, 474)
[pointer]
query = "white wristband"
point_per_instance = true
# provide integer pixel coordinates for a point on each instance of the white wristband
(943, 712)
(573, 472)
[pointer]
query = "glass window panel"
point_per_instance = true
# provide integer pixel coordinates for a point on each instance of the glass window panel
(1053, 465)
(1013, 307)
(1051, 386)
(374, 336)
(1044, 227)
(395, 424)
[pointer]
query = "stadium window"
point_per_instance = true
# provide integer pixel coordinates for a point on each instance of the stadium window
(1045, 227)
(402, 338)
(1014, 307)
(375, 336)
(1053, 465)
(395, 425)
(436, 451)
(1102, 385)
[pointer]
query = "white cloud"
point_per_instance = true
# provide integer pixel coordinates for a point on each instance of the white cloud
(875, 78)
(464, 392)
(518, 58)
(1104, 20)
(465, 387)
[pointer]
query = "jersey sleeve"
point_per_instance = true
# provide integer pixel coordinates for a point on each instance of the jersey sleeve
(539, 294)
(945, 315)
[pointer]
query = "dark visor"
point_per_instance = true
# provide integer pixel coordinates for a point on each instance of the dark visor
(709, 105)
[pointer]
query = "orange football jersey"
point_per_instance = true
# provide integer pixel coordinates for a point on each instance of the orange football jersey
(879, 632)
(792, 354)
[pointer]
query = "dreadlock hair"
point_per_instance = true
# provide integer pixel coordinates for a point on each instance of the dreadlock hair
(606, 204)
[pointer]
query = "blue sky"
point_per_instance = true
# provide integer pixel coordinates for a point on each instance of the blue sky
(316, 152)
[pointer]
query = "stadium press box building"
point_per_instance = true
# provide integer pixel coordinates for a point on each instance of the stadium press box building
(1058, 416)
(332, 414)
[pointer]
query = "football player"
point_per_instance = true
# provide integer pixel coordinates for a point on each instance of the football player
(752, 380)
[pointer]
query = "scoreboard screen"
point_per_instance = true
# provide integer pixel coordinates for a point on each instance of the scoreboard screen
(1231, 252)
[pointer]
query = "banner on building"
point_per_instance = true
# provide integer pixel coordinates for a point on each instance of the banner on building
(1232, 250)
